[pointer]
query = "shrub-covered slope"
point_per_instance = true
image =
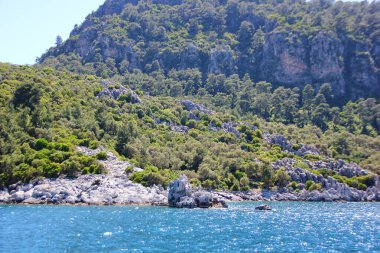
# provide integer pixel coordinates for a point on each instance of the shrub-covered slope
(45, 114)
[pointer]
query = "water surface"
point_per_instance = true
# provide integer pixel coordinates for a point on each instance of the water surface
(290, 227)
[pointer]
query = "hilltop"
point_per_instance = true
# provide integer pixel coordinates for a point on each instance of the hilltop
(286, 43)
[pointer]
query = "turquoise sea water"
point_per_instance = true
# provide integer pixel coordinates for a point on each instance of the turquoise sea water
(290, 227)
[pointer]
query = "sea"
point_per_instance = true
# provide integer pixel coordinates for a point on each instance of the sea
(289, 227)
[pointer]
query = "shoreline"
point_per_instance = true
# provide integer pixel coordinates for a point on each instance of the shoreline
(115, 188)
(145, 201)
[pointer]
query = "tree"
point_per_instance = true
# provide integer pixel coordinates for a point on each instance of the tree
(266, 175)
(28, 95)
(281, 177)
(307, 96)
(326, 91)
(245, 35)
(58, 41)
(127, 132)
(233, 15)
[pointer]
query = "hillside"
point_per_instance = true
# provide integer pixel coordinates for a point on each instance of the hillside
(285, 43)
(45, 114)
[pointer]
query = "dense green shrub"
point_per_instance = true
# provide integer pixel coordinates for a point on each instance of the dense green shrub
(312, 157)
(102, 156)
(41, 144)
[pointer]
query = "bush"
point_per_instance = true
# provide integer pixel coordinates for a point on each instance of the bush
(281, 177)
(315, 187)
(41, 144)
(129, 170)
(102, 156)
(296, 147)
(152, 176)
(244, 183)
(294, 185)
(93, 144)
(312, 157)
(235, 186)
(84, 142)
(311, 186)
(195, 182)
(258, 134)
(51, 170)
(70, 168)
(208, 184)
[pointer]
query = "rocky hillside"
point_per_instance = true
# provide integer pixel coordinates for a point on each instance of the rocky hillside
(46, 114)
(285, 43)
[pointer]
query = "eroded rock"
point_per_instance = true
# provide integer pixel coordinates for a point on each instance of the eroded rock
(181, 195)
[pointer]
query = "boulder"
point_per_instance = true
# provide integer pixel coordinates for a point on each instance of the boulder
(177, 189)
(263, 208)
(19, 196)
(203, 199)
(186, 202)
(181, 195)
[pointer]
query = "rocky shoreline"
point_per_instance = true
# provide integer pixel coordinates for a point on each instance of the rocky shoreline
(115, 188)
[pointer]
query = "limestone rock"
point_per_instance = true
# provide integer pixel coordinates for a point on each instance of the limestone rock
(178, 189)
(181, 195)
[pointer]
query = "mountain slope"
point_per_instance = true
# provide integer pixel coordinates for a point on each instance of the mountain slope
(46, 114)
(285, 43)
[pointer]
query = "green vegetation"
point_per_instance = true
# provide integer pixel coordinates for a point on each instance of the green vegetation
(311, 186)
(102, 156)
(39, 139)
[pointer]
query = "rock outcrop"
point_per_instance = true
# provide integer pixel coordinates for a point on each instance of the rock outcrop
(181, 195)
(191, 106)
(113, 188)
(114, 91)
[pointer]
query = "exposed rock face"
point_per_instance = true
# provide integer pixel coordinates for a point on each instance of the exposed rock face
(287, 146)
(285, 59)
(109, 90)
(363, 72)
(191, 106)
(343, 168)
(179, 188)
(326, 61)
(181, 195)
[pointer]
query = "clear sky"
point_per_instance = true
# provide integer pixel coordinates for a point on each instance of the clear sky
(29, 27)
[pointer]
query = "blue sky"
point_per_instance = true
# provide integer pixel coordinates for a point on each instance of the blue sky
(29, 27)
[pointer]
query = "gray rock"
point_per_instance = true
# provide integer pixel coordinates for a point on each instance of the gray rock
(177, 189)
(186, 202)
(263, 208)
(191, 106)
(19, 196)
(116, 92)
(181, 195)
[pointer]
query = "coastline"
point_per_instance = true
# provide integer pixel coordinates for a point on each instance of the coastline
(143, 197)
(115, 188)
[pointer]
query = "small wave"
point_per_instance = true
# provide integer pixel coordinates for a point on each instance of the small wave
(107, 234)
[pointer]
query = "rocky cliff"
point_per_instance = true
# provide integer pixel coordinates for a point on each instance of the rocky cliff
(125, 35)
